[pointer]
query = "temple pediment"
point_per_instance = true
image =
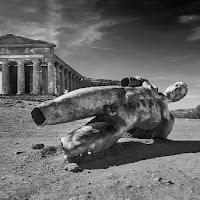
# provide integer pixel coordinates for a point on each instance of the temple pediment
(11, 40)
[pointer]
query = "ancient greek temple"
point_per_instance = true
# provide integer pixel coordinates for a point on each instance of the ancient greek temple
(29, 66)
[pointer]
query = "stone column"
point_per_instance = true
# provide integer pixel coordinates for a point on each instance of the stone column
(36, 76)
(20, 77)
(71, 81)
(74, 81)
(5, 77)
(82, 84)
(77, 82)
(67, 80)
(51, 75)
(62, 80)
(58, 78)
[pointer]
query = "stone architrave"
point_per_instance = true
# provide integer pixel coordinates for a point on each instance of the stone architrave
(51, 76)
(5, 77)
(36, 76)
(20, 77)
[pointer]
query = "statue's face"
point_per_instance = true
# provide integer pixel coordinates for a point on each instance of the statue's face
(176, 91)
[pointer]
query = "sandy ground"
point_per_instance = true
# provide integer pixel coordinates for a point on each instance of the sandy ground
(137, 169)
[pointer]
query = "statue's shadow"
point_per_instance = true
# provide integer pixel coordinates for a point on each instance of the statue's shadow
(134, 151)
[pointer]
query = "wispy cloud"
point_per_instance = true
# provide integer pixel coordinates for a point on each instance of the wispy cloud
(92, 30)
(43, 26)
(194, 21)
(71, 23)
(189, 19)
(180, 58)
(195, 35)
(103, 48)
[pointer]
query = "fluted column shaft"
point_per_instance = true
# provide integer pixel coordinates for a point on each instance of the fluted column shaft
(51, 76)
(36, 77)
(77, 82)
(82, 84)
(74, 82)
(67, 80)
(5, 77)
(20, 77)
(71, 81)
(62, 81)
(58, 78)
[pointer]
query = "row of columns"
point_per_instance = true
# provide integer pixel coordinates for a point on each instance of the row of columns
(20, 77)
(66, 80)
(60, 78)
(71, 81)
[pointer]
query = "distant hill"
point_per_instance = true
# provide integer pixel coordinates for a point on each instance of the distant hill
(185, 113)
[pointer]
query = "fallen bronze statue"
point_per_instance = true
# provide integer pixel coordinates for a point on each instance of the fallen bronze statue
(135, 107)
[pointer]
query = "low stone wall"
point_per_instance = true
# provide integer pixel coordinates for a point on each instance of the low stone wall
(101, 82)
(39, 98)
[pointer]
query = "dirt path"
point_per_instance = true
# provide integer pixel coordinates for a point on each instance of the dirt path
(138, 169)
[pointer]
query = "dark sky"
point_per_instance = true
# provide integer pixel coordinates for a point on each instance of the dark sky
(157, 39)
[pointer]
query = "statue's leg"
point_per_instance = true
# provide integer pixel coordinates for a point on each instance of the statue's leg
(92, 137)
(164, 128)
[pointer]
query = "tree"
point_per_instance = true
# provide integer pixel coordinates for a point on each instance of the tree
(197, 111)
